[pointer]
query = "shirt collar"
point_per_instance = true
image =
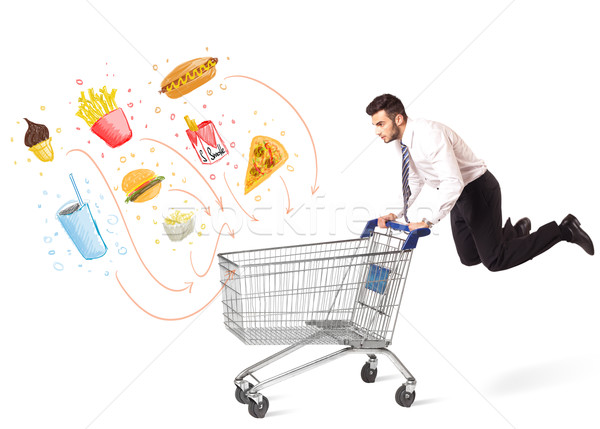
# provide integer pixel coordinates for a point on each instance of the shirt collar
(407, 137)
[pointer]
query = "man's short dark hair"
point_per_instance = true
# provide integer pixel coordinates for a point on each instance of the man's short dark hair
(391, 104)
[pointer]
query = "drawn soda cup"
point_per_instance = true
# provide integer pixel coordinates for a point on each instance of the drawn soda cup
(113, 128)
(77, 220)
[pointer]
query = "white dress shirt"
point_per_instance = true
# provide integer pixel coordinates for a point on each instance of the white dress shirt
(441, 159)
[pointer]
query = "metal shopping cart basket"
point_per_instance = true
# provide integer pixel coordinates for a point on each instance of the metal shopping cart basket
(340, 292)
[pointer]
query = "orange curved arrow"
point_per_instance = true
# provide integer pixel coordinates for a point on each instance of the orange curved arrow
(314, 187)
(288, 210)
(238, 203)
(219, 199)
(215, 251)
(206, 209)
(230, 275)
(126, 227)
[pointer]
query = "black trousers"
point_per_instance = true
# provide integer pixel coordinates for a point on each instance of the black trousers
(476, 220)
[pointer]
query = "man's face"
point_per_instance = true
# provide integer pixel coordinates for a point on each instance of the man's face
(385, 127)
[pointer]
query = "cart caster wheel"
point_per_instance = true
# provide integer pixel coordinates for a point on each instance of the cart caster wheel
(404, 398)
(367, 374)
(258, 411)
(241, 396)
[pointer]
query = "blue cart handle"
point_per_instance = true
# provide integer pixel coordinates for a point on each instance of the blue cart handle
(411, 240)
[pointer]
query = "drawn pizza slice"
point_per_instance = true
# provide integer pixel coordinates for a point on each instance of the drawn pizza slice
(266, 156)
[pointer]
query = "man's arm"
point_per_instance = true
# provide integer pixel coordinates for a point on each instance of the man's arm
(446, 167)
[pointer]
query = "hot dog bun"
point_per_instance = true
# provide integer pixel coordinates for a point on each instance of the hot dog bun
(188, 76)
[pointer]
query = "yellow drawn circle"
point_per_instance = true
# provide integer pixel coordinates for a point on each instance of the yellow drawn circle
(116, 188)
(199, 234)
(58, 130)
(154, 221)
(221, 86)
(154, 207)
(138, 217)
(257, 198)
(203, 226)
(209, 92)
(290, 168)
(123, 159)
(157, 241)
(157, 110)
(42, 107)
(184, 180)
(152, 149)
(155, 67)
(283, 133)
(256, 112)
(132, 155)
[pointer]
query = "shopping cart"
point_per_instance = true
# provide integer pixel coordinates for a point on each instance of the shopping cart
(340, 292)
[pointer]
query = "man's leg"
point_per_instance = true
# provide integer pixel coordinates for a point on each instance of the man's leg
(465, 246)
(484, 217)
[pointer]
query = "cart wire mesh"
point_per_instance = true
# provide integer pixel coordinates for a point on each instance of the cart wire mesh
(340, 292)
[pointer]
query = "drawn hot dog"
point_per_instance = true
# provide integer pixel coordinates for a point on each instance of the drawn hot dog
(188, 76)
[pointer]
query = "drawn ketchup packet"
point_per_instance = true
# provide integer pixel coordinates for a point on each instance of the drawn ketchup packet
(113, 128)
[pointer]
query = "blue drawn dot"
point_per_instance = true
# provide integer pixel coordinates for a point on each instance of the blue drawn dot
(46, 220)
(80, 265)
(101, 196)
(45, 192)
(97, 206)
(117, 244)
(112, 219)
(55, 234)
(57, 195)
(106, 273)
(47, 239)
(52, 252)
(58, 266)
(39, 206)
(89, 191)
(122, 251)
(87, 180)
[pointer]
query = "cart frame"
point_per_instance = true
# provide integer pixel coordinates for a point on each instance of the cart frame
(341, 292)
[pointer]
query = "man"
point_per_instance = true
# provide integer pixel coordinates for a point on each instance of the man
(433, 154)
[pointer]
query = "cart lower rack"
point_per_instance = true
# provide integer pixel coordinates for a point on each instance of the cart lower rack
(342, 292)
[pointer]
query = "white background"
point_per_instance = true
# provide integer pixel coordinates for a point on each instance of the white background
(517, 80)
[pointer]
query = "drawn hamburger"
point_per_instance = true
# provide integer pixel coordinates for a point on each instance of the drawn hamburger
(141, 185)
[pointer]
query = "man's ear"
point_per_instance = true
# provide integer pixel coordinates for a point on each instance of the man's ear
(399, 120)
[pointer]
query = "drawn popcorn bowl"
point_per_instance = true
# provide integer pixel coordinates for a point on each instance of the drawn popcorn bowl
(178, 224)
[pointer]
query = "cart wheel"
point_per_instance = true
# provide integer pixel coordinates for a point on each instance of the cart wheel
(240, 394)
(258, 411)
(367, 374)
(404, 398)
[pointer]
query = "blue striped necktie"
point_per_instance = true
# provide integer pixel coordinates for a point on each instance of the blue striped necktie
(405, 187)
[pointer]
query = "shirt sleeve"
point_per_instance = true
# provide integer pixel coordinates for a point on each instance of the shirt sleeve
(444, 163)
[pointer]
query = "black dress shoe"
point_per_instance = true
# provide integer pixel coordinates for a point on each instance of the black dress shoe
(523, 226)
(573, 233)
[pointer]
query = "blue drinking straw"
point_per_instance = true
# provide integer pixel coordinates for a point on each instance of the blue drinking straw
(76, 190)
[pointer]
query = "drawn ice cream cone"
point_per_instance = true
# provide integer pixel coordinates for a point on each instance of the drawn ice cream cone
(43, 150)
(37, 139)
